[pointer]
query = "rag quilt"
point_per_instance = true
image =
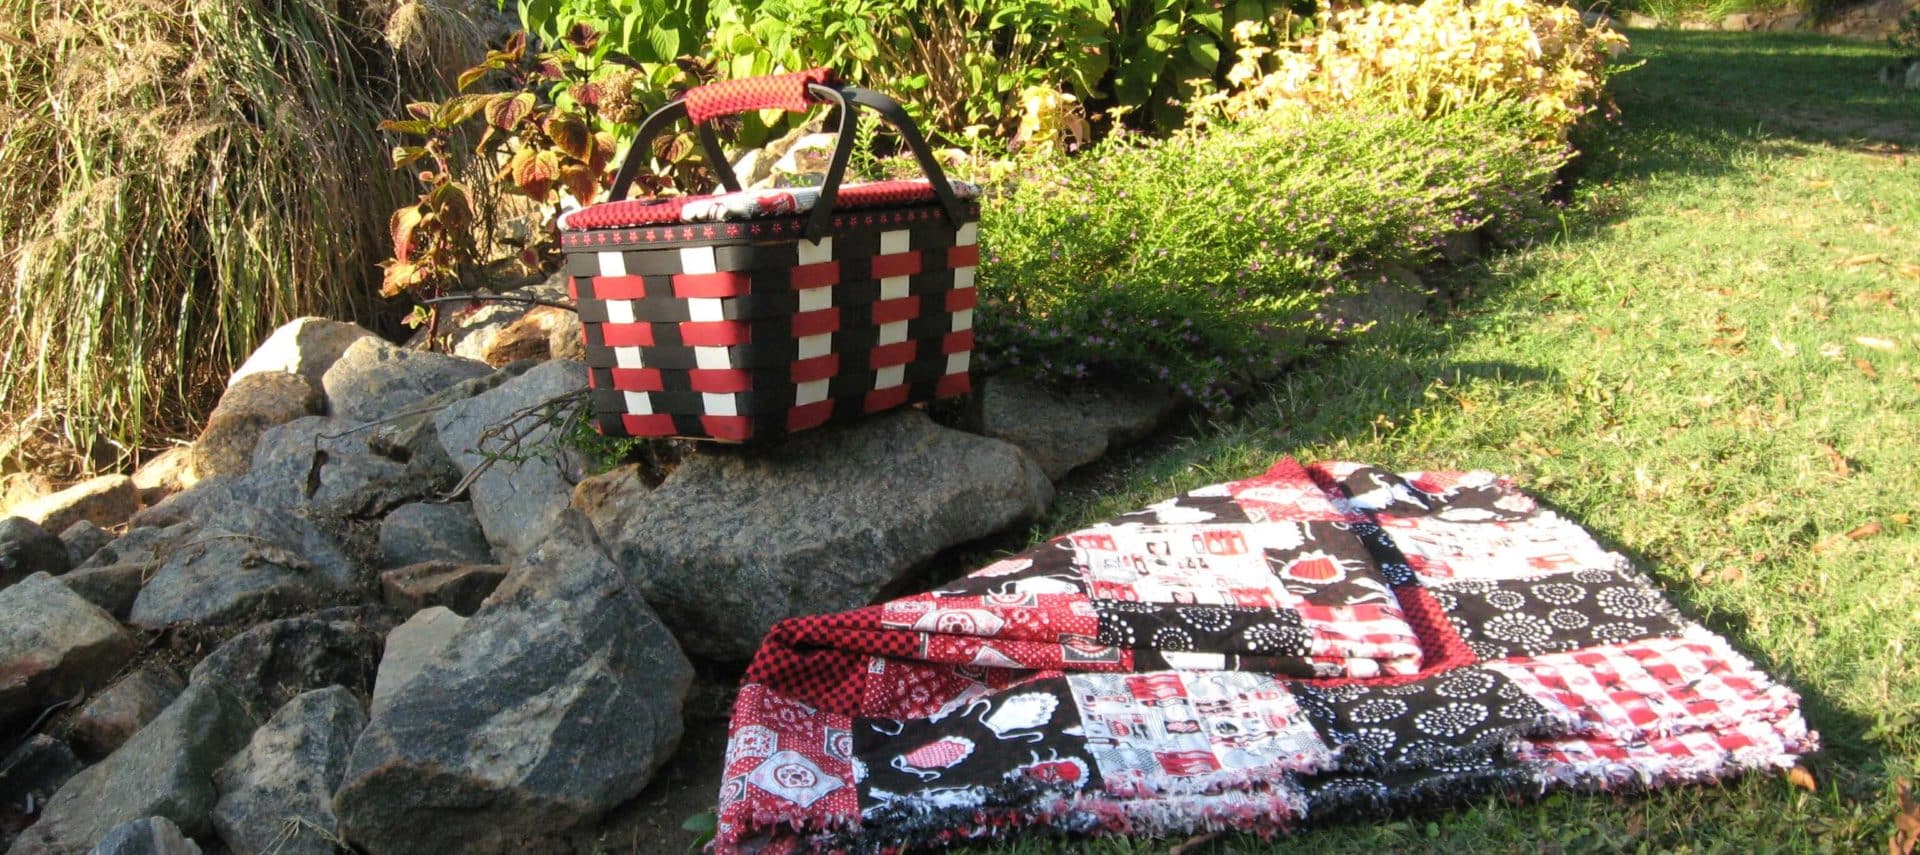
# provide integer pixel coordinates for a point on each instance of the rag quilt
(1316, 641)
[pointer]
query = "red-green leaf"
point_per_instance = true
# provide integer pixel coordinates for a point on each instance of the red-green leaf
(603, 148)
(550, 66)
(401, 226)
(400, 277)
(571, 136)
(580, 181)
(582, 37)
(506, 111)
(452, 205)
(415, 127)
(406, 155)
(461, 108)
(516, 46)
(422, 109)
(470, 77)
(588, 94)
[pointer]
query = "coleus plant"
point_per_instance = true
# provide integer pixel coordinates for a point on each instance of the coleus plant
(548, 134)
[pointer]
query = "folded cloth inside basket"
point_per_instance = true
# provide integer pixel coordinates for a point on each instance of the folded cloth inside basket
(750, 204)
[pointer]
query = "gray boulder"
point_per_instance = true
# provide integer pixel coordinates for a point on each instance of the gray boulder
(277, 794)
(1065, 429)
(251, 559)
(460, 587)
(250, 406)
(35, 770)
(165, 770)
(26, 549)
(303, 346)
(112, 588)
(428, 531)
(373, 379)
(268, 665)
(115, 714)
(164, 474)
(413, 440)
(108, 500)
(53, 645)
(82, 540)
(733, 542)
(517, 499)
(411, 646)
(551, 705)
(154, 835)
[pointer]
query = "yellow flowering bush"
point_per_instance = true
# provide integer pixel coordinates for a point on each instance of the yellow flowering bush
(1427, 59)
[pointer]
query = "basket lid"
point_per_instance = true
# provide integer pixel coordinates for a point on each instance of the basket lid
(751, 204)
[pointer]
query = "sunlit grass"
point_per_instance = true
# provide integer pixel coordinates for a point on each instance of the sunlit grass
(1713, 369)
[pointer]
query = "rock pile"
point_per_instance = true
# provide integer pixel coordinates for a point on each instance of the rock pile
(382, 602)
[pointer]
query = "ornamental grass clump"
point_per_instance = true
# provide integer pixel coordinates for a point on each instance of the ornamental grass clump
(182, 176)
(1199, 261)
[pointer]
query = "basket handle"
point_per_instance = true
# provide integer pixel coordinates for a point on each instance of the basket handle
(794, 92)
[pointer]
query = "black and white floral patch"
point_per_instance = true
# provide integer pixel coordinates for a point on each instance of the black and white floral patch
(1449, 715)
(1549, 614)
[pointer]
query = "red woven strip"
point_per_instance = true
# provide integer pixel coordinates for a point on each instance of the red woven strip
(809, 415)
(886, 355)
(885, 399)
(960, 342)
(619, 288)
(953, 384)
(878, 194)
(815, 275)
(817, 368)
(720, 381)
(654, 425)
(773, 92)
(715, 334)
(962, 299)
(638, 380)
(634, 212)
(709, 285)
(627, 335)
(963, 256)
(889, 311)
(573, 289)
(897, 264)
(815, 323)
(731, 428)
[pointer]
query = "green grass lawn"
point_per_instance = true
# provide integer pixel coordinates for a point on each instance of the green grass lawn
(1712, 367)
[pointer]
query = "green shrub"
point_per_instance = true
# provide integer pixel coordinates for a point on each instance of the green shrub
(1196, 260)
(956, 63)
(182, 176)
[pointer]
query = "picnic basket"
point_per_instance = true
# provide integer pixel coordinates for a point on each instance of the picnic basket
(746, 314)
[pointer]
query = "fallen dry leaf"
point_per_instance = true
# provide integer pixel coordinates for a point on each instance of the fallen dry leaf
(1859, 532)
(1868, 258)
(1882, 298)
(1876, 342)
(1800, 777)
(1911, 271)
(1906, 823)
(1836, 460)
(1819, 185)
(1866, 368)
(1901, 519)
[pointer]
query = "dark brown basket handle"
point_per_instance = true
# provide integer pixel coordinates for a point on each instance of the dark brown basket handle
(773, 93)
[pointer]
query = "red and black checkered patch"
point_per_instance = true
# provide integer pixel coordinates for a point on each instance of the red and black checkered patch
(724, 335)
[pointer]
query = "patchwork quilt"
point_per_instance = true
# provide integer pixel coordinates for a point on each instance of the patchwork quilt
(1315, 641)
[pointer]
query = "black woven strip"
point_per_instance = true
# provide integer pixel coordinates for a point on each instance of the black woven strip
(661, 260)
(776, 396)
(776, 353)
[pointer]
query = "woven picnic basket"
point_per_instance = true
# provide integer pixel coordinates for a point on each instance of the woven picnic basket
(745, 314)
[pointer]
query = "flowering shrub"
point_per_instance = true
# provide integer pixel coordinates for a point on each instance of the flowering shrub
(1429, 59)
(1199, 259)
